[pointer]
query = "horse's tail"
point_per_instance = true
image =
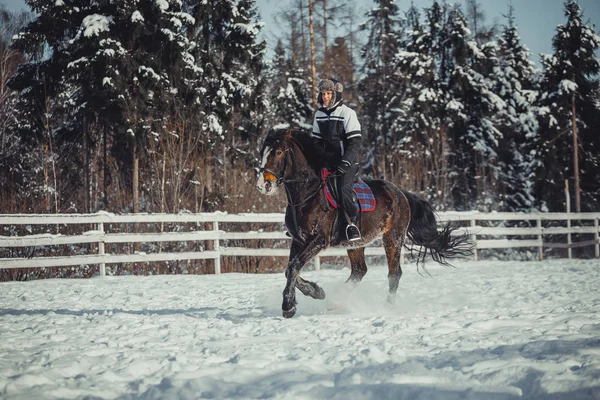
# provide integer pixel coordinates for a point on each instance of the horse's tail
(422, 231)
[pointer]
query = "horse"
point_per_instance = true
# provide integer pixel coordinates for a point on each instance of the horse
(289, 158)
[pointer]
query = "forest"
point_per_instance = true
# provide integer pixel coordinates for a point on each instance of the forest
(162, 105)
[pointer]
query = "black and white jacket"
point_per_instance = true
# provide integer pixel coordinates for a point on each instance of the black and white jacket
(337, 129)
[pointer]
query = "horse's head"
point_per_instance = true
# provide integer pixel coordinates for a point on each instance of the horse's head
(274, 162)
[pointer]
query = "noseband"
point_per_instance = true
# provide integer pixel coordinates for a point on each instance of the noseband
(278, 179)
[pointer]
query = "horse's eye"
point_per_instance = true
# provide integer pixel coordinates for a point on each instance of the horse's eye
(279, 153)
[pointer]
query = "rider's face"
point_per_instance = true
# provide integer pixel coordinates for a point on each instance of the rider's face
(327, 96)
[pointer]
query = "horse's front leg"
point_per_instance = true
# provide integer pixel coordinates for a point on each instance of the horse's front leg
(300, 254)
(310, 289)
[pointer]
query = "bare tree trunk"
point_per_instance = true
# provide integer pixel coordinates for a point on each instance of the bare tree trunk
(576, 157)
(325, 54)
(351, 48)
(312, 54)
(46, 183)
(384, 58)
(303, 50)
(105, 170)
(163, 181)
(53, 161)
(135, 188)
(179, 168)
(86, 168)
(224, 168)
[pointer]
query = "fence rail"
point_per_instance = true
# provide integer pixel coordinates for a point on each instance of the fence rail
(501, 236)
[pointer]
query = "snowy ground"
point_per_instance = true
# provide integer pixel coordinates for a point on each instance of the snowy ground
(489, 330)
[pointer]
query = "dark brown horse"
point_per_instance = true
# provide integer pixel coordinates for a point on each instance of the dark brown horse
(290, 159)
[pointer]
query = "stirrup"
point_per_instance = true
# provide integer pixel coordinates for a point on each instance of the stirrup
(352, 233)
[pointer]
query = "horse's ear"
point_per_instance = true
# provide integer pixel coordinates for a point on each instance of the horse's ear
(289, 134)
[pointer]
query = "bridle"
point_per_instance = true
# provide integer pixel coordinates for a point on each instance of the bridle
(280, 180)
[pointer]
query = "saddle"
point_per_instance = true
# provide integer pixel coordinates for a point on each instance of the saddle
(363, 199)
(363, 196)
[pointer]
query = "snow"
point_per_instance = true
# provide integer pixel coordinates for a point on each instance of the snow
(487, 329)
(252, 29)
(148, 72)
(568, 86)
(428, 94)
(76, 63)
(280, 127)
(137, 17)
(95, 24)
(163, 4)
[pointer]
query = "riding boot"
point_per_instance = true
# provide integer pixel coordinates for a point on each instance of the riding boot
(352, 231)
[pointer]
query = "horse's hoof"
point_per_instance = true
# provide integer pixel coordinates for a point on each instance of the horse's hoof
(320, 294)
(391, 300)
(289, 313)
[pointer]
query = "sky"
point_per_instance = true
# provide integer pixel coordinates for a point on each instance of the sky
(536, 19)
(497, 330)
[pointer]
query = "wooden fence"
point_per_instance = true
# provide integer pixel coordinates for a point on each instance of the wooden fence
(490, 231)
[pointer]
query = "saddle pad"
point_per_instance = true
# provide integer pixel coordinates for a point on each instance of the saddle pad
(363, 193)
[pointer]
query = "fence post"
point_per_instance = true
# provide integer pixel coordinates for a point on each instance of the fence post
(317, 263)
(101, 249)
(597, 236)
(569, 241)
(474, 236)
(568, 200)
(541, 239)
(217, 248)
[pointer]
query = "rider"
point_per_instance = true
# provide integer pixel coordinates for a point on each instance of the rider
(337, 130)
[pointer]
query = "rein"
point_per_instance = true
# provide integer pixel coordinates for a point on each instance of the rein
(289, 196)
(280, 180)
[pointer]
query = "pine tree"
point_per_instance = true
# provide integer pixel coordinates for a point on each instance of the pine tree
(340, 63)
(231, 54)
(419, 128)
(289, 92)
(109, 75)
(471, 106)
(378, 87)
(14, 154)
(476, 17)
(517, 156)
(569, 90)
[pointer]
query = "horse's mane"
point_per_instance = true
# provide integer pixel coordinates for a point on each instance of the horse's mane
(300, 139)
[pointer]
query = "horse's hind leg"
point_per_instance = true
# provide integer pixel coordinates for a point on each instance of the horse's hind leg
(393, 242)
(357, 265)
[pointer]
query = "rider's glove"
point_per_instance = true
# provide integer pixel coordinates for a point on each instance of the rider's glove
(342, 168)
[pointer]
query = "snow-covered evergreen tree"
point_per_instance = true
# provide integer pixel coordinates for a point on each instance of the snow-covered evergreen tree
(289, 92)
(378, 86)
(232, 57)
(110, 72)
(421, 133)
(517, 150)
(121, 75)
(13, 153)
(471, 106)
(570, 85)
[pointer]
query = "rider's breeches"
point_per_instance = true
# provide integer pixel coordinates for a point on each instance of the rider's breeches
(345, 183)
